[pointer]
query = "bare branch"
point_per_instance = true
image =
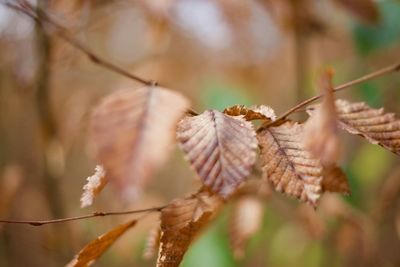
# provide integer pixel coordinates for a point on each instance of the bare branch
(373, 75)
(33, 12)
(76, 218)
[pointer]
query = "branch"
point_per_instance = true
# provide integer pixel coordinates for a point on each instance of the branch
(76, 218)
(27, 9)
(373, 75)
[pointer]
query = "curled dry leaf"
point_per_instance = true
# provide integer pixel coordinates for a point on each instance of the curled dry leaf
(335, 180)
(92, 251)
(181, 221)
(374, 125)
(321, 135)
(152, 242)
(93, 187)
(132, 131)
(246, 220)
(287, 164)
(221, 149)
(259, 112)
(367, 10)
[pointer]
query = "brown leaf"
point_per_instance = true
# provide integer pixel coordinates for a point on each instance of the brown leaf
(93, 187)
(374, 125)
(152, 242)
(367, 10)
(133, 131)
(260, 112)
(92, 251)
(246, 220)
(335, 180)
(321, 135)
(181, 221)
(287, 165)
(221, 149)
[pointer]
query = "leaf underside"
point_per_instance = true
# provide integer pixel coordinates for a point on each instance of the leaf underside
(132, 131)
(287, 165)
(374, 125)
(260, 112)
(220, 148)
(97, 247)
(181, 221)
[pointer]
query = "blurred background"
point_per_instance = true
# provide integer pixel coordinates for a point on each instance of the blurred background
(217, 53)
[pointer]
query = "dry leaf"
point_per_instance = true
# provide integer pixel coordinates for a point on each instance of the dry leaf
(367, 10)
(375, 125)
(321, 130)
(181, 221)
(93, 187)
(335, 180)
(246, 220)
(259, 112)
(133, 131)
(287, 165)
(92, 251)
(221, 149)
(152, 242)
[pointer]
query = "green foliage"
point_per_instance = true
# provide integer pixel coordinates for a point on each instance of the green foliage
(370, 38)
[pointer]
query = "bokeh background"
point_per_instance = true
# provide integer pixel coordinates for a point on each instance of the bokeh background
(218, 53)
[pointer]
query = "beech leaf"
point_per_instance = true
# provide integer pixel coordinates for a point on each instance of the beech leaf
(259, 112)
(246, 220)
(132, 131)
(181, 221)
(221, 148)
(93, 187)
(335, 180)
(375, 125)
(92, 251)
(152, 242)
(287, 164)
(321, 135)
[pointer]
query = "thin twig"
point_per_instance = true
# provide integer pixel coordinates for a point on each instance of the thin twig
(27, 9)
(76, 218)
(373, 75)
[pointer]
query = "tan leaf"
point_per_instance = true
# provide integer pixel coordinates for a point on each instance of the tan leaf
(152, 242)
(93, 187)
(287, 165)
(133, 131)
(335, 180)
(246, 220)
(92, 251)
(221, 149)
(181, 221)
(374, 125)
(259, 112)
(367, 10)
(321, 135)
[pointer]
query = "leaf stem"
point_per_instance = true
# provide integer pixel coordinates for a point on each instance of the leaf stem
(76, 218)
(373, 75)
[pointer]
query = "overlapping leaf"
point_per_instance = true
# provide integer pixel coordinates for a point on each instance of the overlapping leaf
(152, 242)
(335, 180)
(132, 131)
(287, 165)
(181, 221)
(321, 135)
(245, 222)
(260, 112)
(221, 149)
(92, 251)
(374, 125)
